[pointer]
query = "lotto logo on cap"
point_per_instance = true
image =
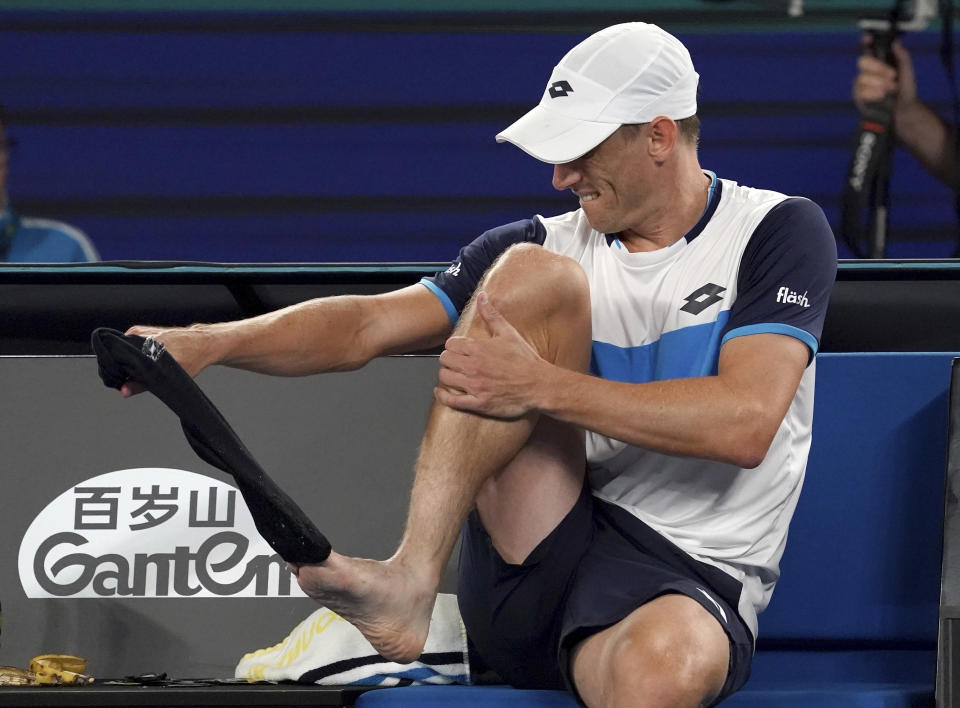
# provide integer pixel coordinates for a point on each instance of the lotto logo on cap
(627, 73)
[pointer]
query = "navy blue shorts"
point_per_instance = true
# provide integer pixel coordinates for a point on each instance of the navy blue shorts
(594, 569)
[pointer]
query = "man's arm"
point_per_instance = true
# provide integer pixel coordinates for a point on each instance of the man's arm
(326, 334)
(929, 140)
(731, 417)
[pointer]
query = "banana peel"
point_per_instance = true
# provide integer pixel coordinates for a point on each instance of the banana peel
(56, 669)
(47, 670)
(12, 676)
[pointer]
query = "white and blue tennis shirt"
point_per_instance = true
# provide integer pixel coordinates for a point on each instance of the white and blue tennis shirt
(756, 262)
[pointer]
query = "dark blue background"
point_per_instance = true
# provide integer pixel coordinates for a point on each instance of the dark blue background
(183, 141)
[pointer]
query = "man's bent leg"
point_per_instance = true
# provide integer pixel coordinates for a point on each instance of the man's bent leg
(668, 653)
(545, 297)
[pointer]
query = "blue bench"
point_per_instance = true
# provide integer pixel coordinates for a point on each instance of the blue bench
(853, 621)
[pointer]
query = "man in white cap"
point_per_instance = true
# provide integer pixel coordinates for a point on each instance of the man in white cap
(623, 416)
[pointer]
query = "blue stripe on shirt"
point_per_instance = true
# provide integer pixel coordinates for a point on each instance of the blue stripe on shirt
(682, 353)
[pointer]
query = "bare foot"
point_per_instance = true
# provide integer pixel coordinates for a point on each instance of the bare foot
(383, 599)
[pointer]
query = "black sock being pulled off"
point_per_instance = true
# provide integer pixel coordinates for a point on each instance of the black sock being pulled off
(278, 518)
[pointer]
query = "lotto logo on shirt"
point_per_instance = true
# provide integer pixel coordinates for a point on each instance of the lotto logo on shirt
(789, 297)
(150, 532)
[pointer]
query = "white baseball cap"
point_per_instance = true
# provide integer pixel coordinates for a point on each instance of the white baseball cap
(627, 73)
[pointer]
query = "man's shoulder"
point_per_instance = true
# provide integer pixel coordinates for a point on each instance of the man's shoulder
(39, 224)
(735, 193)
(567, 224)
(570, 234)
(767, 209)
(754, 197)
(48, 238)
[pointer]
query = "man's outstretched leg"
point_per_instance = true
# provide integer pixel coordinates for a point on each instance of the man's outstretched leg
(523, 473)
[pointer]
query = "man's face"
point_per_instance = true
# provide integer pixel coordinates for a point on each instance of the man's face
(612, 181)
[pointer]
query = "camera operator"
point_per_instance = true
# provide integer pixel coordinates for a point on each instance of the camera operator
(917, 127)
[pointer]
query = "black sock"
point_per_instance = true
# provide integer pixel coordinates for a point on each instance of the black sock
(278, 518)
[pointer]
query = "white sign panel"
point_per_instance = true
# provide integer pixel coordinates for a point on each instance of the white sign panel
(150, 532)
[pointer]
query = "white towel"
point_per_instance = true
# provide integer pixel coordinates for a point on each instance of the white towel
(328, 650)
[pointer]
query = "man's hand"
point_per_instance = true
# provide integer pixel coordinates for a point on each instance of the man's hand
(496, 377)
(183, 344)
(877, 79)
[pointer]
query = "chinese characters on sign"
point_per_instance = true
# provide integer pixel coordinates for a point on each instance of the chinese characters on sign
(97, 508)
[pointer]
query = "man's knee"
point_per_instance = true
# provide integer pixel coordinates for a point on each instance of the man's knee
(529, 276)
(664, 663)
(546, 297)
(668, 670)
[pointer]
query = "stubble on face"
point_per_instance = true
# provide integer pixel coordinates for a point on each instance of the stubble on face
(611, 188)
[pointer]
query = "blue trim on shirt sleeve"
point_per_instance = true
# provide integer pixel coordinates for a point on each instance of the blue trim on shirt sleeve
(444, 300)
(774, 328)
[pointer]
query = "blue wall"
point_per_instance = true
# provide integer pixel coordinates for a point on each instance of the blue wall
(183, 137)
(863, 557)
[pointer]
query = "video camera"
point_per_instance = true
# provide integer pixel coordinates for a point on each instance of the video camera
(906, 16)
